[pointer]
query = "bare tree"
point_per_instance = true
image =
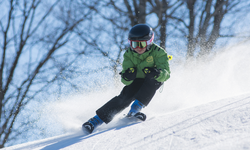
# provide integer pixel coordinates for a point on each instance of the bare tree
(198, 22)
(136, 11)
(164, 10)
(205, 23)
(106, 37)
(31, 37)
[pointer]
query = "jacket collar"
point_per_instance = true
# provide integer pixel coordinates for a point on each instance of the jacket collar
(142, 56)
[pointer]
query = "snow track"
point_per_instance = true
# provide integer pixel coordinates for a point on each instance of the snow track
(218, 125)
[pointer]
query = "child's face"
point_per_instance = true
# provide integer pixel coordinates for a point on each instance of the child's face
(140, 50)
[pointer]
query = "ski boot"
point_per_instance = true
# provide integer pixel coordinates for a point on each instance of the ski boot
(135, 111)
(91, 124)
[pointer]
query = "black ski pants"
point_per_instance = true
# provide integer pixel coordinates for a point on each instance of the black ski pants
(141, 89)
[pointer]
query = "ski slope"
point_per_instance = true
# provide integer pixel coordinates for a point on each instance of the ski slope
(204, 105)
(218, 125)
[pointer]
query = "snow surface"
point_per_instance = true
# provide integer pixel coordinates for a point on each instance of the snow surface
(202, 106)
(223, 124)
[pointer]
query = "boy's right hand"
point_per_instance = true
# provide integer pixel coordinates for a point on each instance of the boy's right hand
(129, 74)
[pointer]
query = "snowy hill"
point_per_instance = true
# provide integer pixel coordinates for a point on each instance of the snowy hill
(218, 125)
(204, 105)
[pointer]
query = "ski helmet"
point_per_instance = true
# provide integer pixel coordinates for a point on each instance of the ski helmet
(141, 32)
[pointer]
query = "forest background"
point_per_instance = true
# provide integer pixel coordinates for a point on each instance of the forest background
(52, 49)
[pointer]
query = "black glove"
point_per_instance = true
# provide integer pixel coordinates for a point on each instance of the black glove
(129, 74)
(151, 73)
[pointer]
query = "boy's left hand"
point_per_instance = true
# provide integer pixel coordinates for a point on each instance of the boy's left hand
(151, 73)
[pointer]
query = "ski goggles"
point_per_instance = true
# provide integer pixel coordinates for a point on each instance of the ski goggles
(140, 44)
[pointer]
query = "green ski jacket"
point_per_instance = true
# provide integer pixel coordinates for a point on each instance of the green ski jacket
(155, 57)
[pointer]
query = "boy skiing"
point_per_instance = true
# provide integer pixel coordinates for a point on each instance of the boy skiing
(145, 68)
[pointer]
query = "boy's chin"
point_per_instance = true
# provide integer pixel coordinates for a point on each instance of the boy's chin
(140, 51)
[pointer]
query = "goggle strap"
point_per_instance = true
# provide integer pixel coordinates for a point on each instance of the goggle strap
(151, 40)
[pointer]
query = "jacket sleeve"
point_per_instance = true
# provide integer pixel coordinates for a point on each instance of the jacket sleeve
(161, 62)
(127, 63)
